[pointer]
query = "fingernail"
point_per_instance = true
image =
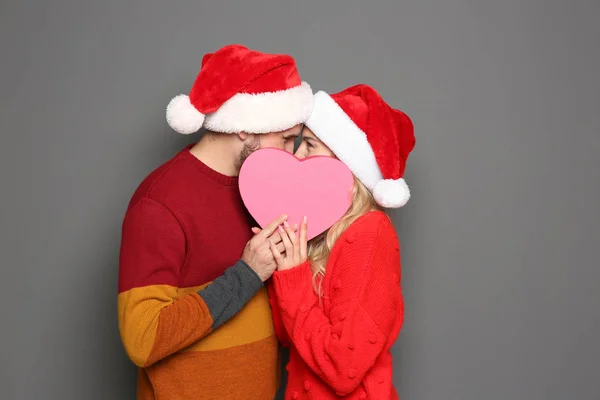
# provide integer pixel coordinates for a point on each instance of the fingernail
(295, 226)
(280, 228)
(286, 224)
(304, 219)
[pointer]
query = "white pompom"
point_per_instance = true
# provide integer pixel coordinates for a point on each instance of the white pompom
(182, 116)
(391, 193)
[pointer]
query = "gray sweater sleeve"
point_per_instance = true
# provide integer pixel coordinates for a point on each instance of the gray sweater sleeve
(230, 292)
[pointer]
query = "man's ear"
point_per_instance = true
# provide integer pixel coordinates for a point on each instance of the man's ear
(243, 136)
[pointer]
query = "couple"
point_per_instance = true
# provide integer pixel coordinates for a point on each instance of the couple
(205, 296)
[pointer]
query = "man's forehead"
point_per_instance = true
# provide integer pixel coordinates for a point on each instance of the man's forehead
(293, 132)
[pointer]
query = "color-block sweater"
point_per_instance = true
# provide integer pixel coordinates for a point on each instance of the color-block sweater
(340, 344)
(192, 317)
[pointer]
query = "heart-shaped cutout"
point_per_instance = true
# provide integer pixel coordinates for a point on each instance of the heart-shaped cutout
(274, 182)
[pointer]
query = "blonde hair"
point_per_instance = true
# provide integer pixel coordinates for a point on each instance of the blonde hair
(320, 247)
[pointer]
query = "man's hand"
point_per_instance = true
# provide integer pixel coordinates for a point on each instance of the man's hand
(275, 237)
(257, 253)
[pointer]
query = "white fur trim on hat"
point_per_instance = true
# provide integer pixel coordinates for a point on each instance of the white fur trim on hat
(182, 116)
(262, 112)
(391, 193)
(345, 139)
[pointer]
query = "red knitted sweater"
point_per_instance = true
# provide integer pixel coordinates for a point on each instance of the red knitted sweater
(340, 344)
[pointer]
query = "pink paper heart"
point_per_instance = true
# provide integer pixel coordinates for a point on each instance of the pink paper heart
(273, 182)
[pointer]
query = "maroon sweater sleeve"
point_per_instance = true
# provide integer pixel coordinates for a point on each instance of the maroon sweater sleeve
(366, 313)
(154, 320)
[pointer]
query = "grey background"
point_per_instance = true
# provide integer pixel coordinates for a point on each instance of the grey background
(499, 241)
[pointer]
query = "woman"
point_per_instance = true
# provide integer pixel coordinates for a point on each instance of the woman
(337, 301)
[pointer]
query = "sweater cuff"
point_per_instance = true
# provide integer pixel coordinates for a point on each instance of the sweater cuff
(230, 292)
(294, 278)
(253, 278)
(293, 286)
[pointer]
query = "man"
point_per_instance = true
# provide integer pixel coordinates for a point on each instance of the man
(193, 312)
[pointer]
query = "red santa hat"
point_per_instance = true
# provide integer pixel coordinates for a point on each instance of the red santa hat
(371, 138)
(242, 90)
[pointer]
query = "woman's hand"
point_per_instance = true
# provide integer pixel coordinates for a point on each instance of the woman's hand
(295, 247)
